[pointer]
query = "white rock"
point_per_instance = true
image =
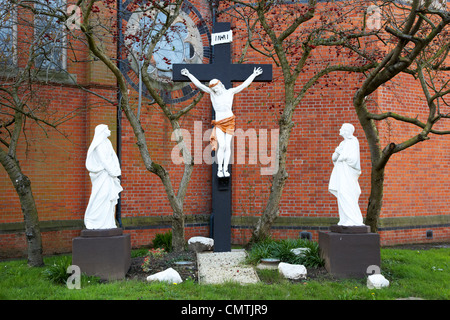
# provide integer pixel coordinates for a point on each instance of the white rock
(377, 281)
(292, 271)
(300, 251)
(168, 275)
(203, 240)
(200, 244)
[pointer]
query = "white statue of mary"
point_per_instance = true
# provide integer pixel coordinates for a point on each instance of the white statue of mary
(344, 178)
(104, 169)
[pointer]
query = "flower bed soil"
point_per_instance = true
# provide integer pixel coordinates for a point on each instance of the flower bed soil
(191, 271)
(160, 264)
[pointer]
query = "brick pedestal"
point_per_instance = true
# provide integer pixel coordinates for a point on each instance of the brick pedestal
(347, 253)
(103, 253)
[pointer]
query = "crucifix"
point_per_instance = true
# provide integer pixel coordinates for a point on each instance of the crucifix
(223, 72)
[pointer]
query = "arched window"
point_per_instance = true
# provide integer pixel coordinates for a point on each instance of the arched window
(50, 35)
(8, 34)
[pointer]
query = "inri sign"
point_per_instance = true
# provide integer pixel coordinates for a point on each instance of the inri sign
(221, 37)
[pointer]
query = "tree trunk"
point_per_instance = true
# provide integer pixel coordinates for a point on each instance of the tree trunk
(271, 212)
(23, 188)
(375, 198)
(378, 158)
(178, 240)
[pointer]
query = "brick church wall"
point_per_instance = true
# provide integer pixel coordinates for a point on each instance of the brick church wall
(53, 161)
(416, 183)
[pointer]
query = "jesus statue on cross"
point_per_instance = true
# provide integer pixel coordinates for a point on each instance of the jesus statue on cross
(222, 102)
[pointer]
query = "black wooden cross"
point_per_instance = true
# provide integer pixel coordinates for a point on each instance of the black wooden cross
(222, 69)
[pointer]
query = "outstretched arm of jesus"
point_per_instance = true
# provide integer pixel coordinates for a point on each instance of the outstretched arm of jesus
(246, 83)
(198, 84)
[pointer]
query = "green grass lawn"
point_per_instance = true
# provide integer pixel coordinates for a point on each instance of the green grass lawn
(412, 273)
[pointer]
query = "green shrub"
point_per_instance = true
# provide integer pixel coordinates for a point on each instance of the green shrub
(57, 273)
(163, 240)
(281, 249)
(141, 252)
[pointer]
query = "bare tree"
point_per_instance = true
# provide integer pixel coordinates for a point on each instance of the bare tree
(98, 23)
(157, 22)
(419, 34)
(289, 34)
(20, 101)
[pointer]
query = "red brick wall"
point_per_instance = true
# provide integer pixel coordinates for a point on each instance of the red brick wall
(61, 183)
(416, 179)
(144, 195)
(54, 161)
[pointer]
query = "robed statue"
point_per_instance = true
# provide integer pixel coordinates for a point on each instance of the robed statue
(344, 178)
(104, 170)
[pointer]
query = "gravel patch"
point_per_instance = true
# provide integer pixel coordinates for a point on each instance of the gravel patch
(220, 267)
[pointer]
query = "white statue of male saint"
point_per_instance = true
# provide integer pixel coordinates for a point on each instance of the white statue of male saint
(104, 169)
(222, 101)
(344, 178)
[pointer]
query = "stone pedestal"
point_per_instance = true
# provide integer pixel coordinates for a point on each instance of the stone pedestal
(349, 251)
(105, 253)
